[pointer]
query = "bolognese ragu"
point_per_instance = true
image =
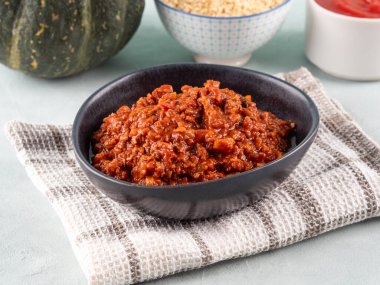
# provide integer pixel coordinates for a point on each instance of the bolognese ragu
(200, 134)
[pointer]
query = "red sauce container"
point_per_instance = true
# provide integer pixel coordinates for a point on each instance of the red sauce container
(346, 46)
(353, 8)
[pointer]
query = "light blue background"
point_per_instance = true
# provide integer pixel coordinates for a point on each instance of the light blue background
(33, 245)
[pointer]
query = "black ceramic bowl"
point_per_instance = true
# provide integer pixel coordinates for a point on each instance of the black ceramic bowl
(205, 199)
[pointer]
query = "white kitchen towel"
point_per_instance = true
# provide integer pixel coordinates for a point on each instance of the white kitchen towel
(336, 184)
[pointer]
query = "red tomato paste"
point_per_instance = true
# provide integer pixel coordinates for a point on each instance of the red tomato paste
(354, 8)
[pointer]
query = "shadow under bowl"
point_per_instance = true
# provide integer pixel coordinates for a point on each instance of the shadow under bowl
(204, 199)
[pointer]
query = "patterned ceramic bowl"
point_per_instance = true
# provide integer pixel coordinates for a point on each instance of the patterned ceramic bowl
(222, 40)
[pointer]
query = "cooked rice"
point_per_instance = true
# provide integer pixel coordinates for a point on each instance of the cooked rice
(224, 8)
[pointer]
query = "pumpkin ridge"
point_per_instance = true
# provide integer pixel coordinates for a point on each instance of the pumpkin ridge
(124, 29)
(82, 59)
(14, 59)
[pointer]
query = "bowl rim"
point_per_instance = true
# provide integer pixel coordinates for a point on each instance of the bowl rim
(340, 16)
(226, 17)
(80, 115)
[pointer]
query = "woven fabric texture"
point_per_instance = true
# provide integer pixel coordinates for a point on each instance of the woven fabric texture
(336, 184)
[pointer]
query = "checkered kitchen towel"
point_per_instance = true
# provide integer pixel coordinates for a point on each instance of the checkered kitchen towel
(336, 184)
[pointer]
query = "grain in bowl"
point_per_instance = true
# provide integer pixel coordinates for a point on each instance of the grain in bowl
(224, 8)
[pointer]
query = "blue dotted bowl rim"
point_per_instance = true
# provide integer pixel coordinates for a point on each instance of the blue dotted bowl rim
(224, 18)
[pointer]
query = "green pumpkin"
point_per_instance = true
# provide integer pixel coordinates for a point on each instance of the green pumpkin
(58, 38)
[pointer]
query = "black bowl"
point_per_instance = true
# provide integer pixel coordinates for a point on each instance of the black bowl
(205, 199)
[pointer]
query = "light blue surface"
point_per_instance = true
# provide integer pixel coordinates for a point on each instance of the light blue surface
(33, 245)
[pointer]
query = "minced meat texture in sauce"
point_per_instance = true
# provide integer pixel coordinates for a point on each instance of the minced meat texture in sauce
(198, 135)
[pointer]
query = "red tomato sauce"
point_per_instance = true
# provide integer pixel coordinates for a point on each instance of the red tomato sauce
(201, 134)
(353, 8)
